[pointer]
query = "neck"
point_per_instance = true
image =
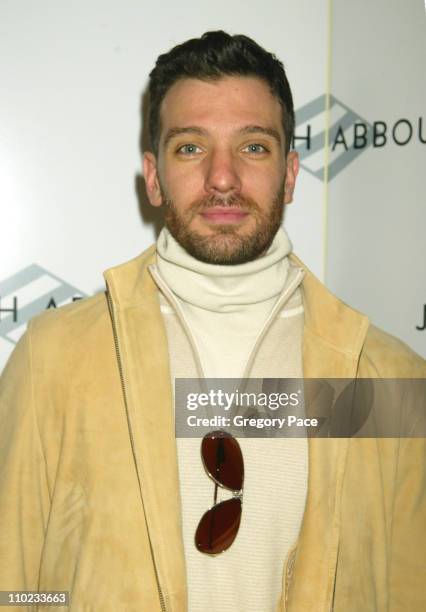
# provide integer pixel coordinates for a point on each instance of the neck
(223, 288)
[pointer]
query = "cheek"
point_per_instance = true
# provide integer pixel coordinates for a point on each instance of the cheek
(263, 185)
(183, 183)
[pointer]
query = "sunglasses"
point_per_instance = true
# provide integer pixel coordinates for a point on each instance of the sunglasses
(223, 462)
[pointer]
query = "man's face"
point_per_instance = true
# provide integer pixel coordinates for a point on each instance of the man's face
(221, 171)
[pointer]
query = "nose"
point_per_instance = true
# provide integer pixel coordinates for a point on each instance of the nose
(222, 174)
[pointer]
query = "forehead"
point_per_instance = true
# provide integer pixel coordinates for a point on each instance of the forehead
(220, 105)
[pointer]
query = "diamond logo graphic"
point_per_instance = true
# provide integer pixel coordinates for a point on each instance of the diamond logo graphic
(344, 130)
(27, 293)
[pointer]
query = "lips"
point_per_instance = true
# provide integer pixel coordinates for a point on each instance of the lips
(224, 215)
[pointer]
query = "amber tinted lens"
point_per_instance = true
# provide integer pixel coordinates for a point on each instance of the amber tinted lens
(223, 459)
(218, 527)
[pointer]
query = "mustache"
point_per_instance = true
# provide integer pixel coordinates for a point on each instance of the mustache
(233, 201)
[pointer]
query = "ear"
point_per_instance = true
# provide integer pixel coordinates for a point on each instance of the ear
(150, 173)
(292, 169)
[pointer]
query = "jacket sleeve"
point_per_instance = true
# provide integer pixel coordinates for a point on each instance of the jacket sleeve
(407, 568)
(24, 494)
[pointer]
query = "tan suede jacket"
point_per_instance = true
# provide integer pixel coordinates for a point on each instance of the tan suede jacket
(89, 493)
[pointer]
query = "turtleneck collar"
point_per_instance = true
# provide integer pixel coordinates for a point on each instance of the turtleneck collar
(223, 288)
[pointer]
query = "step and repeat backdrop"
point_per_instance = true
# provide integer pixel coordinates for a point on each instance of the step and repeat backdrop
(375, 240)
(72, 197)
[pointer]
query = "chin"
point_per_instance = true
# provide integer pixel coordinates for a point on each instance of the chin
(223, 249)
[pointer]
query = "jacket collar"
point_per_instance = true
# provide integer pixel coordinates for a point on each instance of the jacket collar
(333, 338)
(335, 325)
(141, 346)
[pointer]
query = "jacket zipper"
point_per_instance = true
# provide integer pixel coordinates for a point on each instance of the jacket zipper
(181, 317)
(175, 304)
(132, 442)
(271, 317)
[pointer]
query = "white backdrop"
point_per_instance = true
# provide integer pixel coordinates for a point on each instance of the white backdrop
(377, 206)
(71, 194)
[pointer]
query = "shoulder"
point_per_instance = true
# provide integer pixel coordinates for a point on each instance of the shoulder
(80, 316)
(379, 354)
(385, 356)
(58, 335)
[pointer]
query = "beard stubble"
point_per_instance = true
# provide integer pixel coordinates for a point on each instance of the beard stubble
(225, 246)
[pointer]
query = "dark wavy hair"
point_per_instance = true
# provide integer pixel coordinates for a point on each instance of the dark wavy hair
(214, 55)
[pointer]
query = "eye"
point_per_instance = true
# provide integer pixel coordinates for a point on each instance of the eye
(255, 148)
(189, 149)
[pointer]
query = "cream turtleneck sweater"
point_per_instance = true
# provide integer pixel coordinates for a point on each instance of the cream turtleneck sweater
(225, 306)
(233, 321)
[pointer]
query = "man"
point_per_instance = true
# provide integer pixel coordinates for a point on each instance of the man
(98, 497)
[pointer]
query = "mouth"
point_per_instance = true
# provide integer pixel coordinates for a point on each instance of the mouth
(224, 215)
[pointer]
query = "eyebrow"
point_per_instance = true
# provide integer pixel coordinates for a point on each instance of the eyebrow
(199, 131)
(174, 132)
(258, 129)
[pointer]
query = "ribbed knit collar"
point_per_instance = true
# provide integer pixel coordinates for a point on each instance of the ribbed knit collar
(223, 288)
